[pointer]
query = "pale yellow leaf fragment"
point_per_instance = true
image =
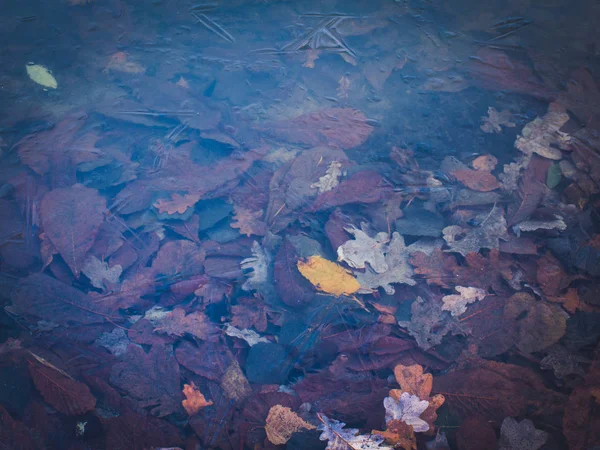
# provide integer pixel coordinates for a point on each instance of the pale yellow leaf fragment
(41, 75)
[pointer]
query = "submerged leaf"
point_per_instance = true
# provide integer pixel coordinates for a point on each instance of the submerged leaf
(194, 399)
(365, 249)
(457, 304)
(328, 276)
(282, 422)
(521, 435)
(60, 390)
(331, 178)
(347, 439)
(98, 272)
(487, 235)
(541, 135)
(408, 408)
(71, 218)
(41, 75)
(399, 271)
(250, 336)
(493, 122)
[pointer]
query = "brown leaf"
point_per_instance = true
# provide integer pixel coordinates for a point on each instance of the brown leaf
(71, 218)
(49, 151)
(60, 390)
(362, 187)
(495, 70)
(538, 325)
(235, 384)
(335, 127)
(291, 286)
(177, 204)
(551, 275)
(399, 434)
(150, 379)
(437, 268)
(177, 323)
(581, 424)
(476, 433)
(478, 180)
(282, 422)
(208, 359)
(13, 434)
(48, 299)
(249, 222)
(194, 400)
(249, 313)
(495, 390)
(569, 300)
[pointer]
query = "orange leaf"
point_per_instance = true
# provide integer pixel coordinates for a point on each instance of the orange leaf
(282, 422)
(177, 205)
(487, 163)
(195, 400)
(412, 380)
(478, 180)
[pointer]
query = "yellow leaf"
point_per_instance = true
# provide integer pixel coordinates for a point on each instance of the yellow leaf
(328, 276)
(41, 75)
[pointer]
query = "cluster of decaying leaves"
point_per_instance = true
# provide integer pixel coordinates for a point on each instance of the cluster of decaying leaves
(411, 408)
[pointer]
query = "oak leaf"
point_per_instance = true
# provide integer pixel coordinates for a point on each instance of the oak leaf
(177, 204)
(341, 438)
(249, 222)
(407, 408)
(194, 400)
(521, 435)
(465, 240)
(331, 178)
(328, 276)
(457, 304)
(478, 180)
(177, 323)
(493, 122)
(282, 422)
(542, 135)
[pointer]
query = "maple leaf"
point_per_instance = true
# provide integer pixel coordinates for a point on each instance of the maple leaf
(282, 422)
(520, 435)
(248, 222)
(194, 400)
(328, 276)
(347, 439)
(407, 408)
(457, 304)
(493, 122)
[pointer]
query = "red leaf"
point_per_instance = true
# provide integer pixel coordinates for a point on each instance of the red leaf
(46, 298)
(61, 391)
(495, 70)
(71, 218)
(291, 286)
(150, 379)
(335, 127)
(13, 434)
(362, 187)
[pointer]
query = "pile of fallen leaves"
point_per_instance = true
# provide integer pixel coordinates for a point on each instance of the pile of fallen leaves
(204, 286)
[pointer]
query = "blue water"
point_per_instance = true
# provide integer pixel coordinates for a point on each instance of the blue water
(169, 169)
